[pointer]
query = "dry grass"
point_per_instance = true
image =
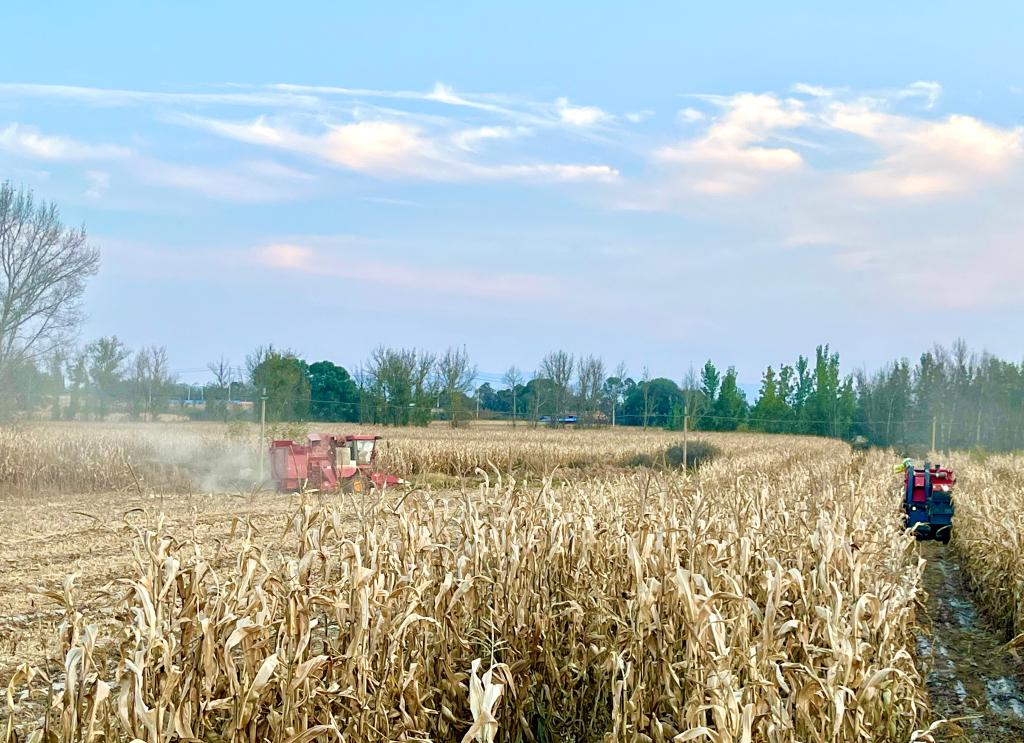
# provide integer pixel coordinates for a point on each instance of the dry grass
(769, 597)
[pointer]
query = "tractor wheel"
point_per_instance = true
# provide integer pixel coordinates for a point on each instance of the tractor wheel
(358, 484)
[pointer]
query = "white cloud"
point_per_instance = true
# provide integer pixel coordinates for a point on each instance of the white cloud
(387, 148)
(28, 142)
(581, 116)
(754, 141)
(691, 115)
(874, 183)
(557, 172)
(739, 149)
(467, 139)
(375, 146)
(815, 91)
(930, 91)
(928, 157)
(638, 117)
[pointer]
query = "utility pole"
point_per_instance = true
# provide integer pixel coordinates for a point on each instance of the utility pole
(686, 431)
(935, 422)
(263, 429)
(513, 406)
(478, 403)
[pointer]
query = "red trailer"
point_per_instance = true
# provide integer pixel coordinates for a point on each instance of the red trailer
(328, 462)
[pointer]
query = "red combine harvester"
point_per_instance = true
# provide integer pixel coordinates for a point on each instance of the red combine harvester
(328, 462)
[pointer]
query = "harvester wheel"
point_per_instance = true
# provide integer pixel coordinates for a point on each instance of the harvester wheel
(358, 484)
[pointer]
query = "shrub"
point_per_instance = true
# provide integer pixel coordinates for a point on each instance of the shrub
(696, 453)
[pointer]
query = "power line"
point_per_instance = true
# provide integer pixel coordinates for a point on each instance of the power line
(386, 406)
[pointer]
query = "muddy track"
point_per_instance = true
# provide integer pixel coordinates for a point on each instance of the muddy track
(971, 676)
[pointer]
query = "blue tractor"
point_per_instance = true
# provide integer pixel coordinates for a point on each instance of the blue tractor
(928, 500)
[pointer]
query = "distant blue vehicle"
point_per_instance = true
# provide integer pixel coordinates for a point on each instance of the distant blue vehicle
(544, 419)
(567, 419)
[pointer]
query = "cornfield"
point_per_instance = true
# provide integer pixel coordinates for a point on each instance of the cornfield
(770, 596)
(181, 457)
(989, 534)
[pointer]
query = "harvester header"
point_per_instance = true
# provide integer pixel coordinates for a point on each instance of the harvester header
(328, 462)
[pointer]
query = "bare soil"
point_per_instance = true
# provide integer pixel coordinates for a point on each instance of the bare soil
(973, 680)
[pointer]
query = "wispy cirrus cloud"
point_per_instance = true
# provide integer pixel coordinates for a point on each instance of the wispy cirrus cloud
(390, 148)
(433, 134)
(324, 262)
(872, 177)
(249, 96)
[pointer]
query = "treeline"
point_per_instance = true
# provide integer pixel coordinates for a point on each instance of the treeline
(952, 396)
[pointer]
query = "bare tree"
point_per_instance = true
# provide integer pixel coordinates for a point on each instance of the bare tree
(223, 373)
(456, 375)
(223, 377)
(256, 358)
(106, 359)
(694, 400)
(401, 383)
(558, 367)
(513, 378)
(150, 377)
(43, 270)
(589, 375)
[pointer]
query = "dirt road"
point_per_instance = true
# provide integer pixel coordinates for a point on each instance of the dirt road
(971, 676)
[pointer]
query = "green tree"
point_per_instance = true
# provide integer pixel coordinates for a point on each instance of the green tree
(803, 386)
(710, 379)
(538, 398)
(334, 394)
(771, 413)
(830, 406)
(730, 407)
(614, 392)
(283, 377)
(658, 401)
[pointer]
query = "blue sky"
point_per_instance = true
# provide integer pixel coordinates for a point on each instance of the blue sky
(655, 183)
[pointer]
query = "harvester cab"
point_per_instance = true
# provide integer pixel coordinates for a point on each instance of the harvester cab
(328, 462)
(928, 500)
